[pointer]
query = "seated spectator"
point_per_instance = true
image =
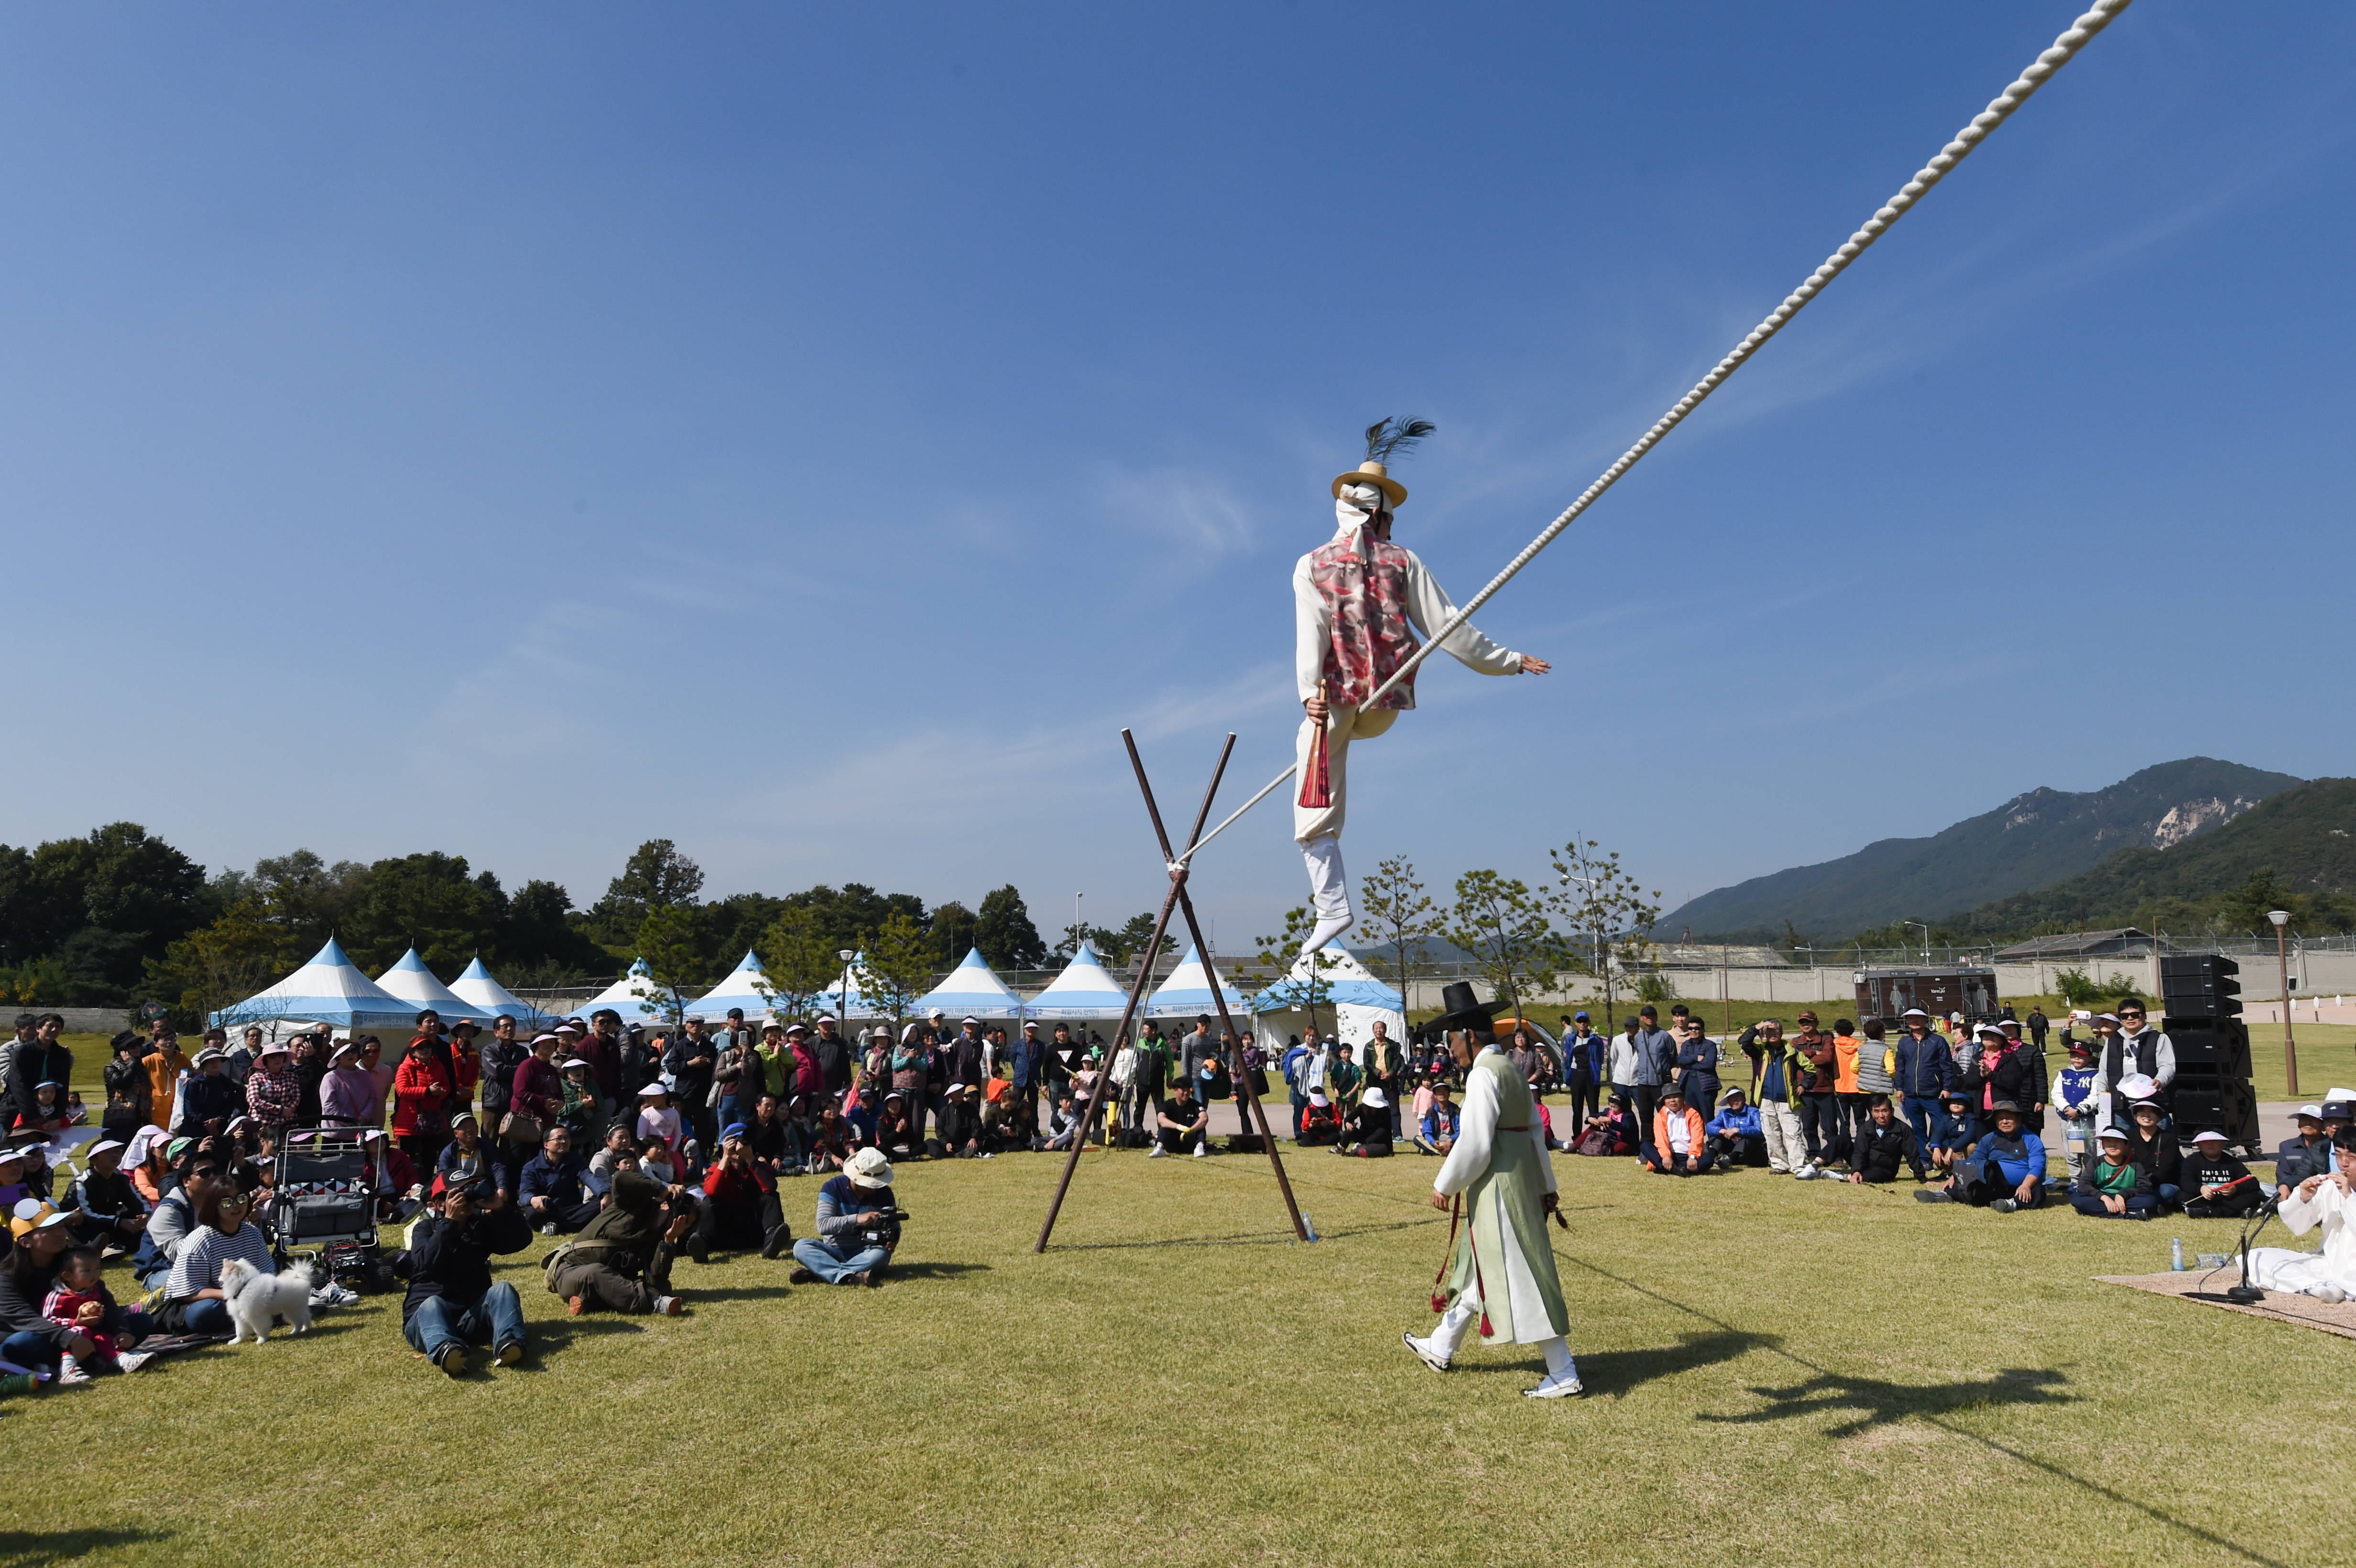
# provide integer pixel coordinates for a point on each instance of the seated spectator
(46, 1116)
(1679, 1145)
(1883, 1143)
(1736, 1136)
(2004, 1172)
(32, 1151)
(996, 1107)
(621, 1149)
(2113, 1186)
(2220, 1187)
(740, 1205)
(452, 1302)
(800, 1121)
(621, 1261)
(467, 1157)
(28, 1273)
(1063, 1125)
(895, 1128)
(657, 1122)
(832, 1141)
(550, 1192)
(2306, 1153)
(129, 1097)
(391, 1177)
(960, 1123)
(212, 1098)
(101, 1207)
(1182, 1126)
(1436, 1128)
(2156, 1151)
(858, 1226)
(1368, 1133)
(79, 1300)
(1958, 1131)
(585, 1112)
(194, 1300)
(1320, 1120)
(768, 1137)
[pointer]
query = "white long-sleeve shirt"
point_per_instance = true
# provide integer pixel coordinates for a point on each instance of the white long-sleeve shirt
(1427, 606)
(1476, 1137)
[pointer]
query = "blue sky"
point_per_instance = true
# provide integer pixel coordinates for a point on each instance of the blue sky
(810, 434)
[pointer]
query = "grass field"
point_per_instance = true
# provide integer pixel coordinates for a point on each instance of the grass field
(1780, 1372)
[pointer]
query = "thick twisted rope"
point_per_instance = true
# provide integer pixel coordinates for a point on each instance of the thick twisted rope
(2065, 50)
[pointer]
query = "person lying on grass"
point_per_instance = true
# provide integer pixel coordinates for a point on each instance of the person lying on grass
(621, 1261)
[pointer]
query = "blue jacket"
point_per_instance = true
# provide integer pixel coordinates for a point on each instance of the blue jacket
(1927, 1067)
(1022, 1062)
(1743, 1124)
(1656, 1056)
(559, 1183)
(2018, 1166)
(1437, 1126)
(1587, 1055)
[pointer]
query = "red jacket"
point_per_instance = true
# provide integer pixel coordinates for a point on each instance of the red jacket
(728, 1188)
(421, 1091)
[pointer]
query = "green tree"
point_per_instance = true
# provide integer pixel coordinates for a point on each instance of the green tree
(656, 876)
(1311, 990)
(895, 967)
(1604, 909)
(305, 896)
(674, 965)
(1505, 927)
(952, 934)
(798, 962)
(1096, 936)
(1131, 941)
(2246, 907)
(220, 964)
(431, 902)
(848, 916)
(1402, 915)
(100, 906)
(541, 935)
(1003, 931)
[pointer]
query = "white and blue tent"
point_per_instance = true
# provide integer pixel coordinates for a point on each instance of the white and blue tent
(972, 989)
(1353, 1000)
(413, 982)
(479, 990)
(1188, 992)
(623, 996)
(1084, 990)
(329, 989)
(736, 989)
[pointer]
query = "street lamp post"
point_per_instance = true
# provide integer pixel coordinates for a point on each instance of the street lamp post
(2281, 917)
(1926, 941)
(843, 1013)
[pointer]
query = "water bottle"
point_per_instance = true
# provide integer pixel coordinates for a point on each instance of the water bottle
(2176, 1253)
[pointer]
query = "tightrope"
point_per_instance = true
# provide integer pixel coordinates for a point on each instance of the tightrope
(2065, 50)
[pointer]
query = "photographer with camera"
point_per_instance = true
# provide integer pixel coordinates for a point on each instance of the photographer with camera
(858, 1226)
(740, 1203)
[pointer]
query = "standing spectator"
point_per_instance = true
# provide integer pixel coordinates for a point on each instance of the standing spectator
(1816, 1064)
(691, 1061)
(2113, 1186)
(1779, 1117)
(1029, 1065)
(1583, 1068)
(2037, 1027)
(1926, 1068)
(273, 1093)
(1385, 1067)
(247, 1052)
(372, 1062)
(208, 1101)
(27, 1034)
(1679, 1144)
(164, 1064)
(602, 1049)
(420, 1096)
(1877, 1066)
(1698, 1066)
(453, 1301)
(130, 1098)
(833, 1054)
(2130, 1048)
(1149, 1087)
(2074, 1099)
(1656, 1063)
(1194, 1054)
(1737, 1135)
(2036, 1083)
(347, 1094)
(1295, 1069)
(1627, 1067)
(311, 1071)
(1883, 1144)
(501, 1055)
(1848, 1101)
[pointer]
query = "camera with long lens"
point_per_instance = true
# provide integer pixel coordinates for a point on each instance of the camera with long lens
(885, 1231)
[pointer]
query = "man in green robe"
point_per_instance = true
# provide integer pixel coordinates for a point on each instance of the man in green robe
(1505, 1274)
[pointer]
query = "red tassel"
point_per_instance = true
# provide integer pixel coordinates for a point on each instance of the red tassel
(1438, 1302)
(1486, 1332)
(1317, 778)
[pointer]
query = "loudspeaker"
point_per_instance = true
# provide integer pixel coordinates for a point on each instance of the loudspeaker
(2211, 1045)
(2212, 1100)
(2199, 986)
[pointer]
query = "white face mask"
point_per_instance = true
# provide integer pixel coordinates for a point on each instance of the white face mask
(1357, 505)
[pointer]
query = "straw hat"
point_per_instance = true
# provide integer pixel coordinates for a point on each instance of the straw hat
(1371, 472)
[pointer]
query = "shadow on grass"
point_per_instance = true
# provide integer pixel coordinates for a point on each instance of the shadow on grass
(931, 1271)
(34, 1548)
(1875, 1401)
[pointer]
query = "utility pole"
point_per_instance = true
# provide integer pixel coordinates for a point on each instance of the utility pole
(2281, 917)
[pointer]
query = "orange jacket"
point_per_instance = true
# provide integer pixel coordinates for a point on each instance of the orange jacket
(1693, 1136)
(1844, 1048)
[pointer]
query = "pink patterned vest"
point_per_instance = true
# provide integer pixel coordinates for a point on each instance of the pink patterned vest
(1363, 581)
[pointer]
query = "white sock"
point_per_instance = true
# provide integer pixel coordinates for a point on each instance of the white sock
(1560, 1366)
(1453, 1325)
(1329, 891)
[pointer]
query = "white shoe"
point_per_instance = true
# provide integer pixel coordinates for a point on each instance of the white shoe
(1555, 1388)
(2330, 1295)
(1806, 1173)
(1157, 1152)
(1426, 1353)
(69, 1370)
(1202, 1151)
(1329, 926)
(132, 1360)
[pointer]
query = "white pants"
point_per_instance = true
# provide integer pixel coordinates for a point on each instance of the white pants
(1342, 724)
(1787, 1148)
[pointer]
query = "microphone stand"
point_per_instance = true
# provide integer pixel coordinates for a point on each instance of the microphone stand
(2245, 1293)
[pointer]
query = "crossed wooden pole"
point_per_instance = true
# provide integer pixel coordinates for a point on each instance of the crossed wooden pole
(1176, 901)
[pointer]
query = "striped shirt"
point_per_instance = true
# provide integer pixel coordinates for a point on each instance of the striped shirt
(198, 1263)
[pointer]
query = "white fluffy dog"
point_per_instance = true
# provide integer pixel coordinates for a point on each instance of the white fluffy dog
(255, 1298)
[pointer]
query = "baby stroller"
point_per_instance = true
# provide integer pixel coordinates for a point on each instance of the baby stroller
(322, 1206)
